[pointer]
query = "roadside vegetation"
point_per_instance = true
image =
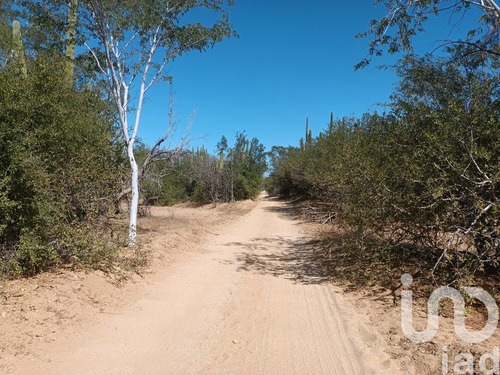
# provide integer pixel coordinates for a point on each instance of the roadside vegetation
(59, 170)
(232, 173)
(415, 189)
(67, 152)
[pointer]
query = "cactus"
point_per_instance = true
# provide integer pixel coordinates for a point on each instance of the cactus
(331, 125)
(308, 134)
(17, 43)
(245, 150)
(222, 146)
(302, 143)
(70, 40)
(307, 128)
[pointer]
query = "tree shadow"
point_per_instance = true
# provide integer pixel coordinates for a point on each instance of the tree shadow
(286, 210)
(293, 259)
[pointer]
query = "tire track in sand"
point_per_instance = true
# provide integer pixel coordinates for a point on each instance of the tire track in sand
(285, 317)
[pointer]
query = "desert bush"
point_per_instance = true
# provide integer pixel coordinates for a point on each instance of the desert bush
(234, 174)
(421, 179)
(58, 165)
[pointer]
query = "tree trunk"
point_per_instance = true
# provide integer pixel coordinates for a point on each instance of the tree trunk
(134, 202)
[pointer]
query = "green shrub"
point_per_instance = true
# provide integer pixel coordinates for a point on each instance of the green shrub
(59, 164)
(422, 180)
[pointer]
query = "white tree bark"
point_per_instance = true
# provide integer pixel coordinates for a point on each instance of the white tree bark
(120, 87)
(123, 56)
(134, 202)
(490, 7)
(113, 67)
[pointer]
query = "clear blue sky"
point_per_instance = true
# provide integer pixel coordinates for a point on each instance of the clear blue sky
(294, 59)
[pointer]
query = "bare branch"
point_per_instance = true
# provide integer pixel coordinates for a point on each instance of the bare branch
(97, 61)
(127, 44)
(167, 154)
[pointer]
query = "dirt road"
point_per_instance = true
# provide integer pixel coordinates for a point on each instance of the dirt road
(248, 302)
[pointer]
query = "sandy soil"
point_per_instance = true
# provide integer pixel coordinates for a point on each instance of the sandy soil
(232, 290)
(39, 312)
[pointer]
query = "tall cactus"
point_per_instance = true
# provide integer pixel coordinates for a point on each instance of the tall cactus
(245, 150)
(221, 146)
(331, 125)
(71, 41)
(18, 46)
(307, 129)
(308, 134)
(251, 148)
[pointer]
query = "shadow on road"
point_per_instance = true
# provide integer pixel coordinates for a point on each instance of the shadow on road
(285, 210)
(288, 258)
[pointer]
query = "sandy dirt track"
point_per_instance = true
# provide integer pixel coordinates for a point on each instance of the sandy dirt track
(248, 301)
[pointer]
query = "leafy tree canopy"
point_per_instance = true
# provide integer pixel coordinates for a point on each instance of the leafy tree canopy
(395, 31)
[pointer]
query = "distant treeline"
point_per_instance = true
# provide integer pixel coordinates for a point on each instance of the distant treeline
(233, 173)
